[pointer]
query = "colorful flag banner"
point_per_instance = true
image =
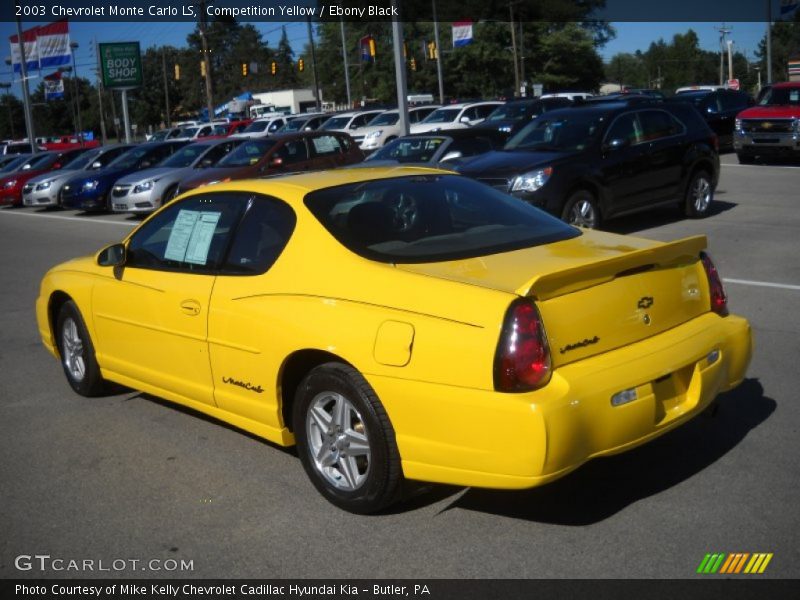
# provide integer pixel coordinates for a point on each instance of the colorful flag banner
(46, 46)
(462, 33)
(367, 45)
(53, 86)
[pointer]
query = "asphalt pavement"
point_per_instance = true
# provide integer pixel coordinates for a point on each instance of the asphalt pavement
(132, 478)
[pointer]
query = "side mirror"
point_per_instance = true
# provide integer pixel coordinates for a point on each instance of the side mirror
(617, 143)
(145, 164)
(97, 165)
(205, 163)
(464, 119)
(112, 256)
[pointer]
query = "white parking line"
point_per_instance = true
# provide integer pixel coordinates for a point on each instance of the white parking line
(783, 286)
(760, 166)
(65, 218)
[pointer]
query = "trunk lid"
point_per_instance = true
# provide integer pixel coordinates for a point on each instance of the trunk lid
(596, 292)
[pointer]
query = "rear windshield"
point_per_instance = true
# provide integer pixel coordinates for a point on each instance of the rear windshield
(410, 149)
(442, 115)
(185, 156)
(387, 118)
(431, 218)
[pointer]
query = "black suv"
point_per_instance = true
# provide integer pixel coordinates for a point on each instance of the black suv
(719, 108)
(593, 162)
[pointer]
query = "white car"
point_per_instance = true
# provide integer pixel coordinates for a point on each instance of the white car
(348, 121)
(262, 127)
(385, 127)
(455, 116)
(568, 95)
(198, 132)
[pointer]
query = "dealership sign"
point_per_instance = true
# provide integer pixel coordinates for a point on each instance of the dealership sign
(121, 64)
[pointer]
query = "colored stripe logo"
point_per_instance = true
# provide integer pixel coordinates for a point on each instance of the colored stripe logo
(735, 563)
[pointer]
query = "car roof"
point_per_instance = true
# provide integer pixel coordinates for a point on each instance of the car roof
(292, 188)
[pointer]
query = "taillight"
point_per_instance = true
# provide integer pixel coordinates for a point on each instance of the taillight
(522, 361)
(719, 301)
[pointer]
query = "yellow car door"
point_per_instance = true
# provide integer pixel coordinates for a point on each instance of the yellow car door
(245, 348)
(151, 317)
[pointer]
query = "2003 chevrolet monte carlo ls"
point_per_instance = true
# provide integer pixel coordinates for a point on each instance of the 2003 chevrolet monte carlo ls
(400, 323)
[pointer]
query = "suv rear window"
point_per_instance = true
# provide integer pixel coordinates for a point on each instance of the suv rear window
(431, 218)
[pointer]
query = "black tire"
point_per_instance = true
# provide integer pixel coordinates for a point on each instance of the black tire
(581, 209)
(77, 352)
(745, 159)
(169, 194)
(699, 195)
(359, 481)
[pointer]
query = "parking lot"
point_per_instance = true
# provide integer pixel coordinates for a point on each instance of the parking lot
(132, 477)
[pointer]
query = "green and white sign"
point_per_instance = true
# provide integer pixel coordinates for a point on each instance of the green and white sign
(121, 64)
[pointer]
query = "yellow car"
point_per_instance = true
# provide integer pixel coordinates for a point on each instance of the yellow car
(400, 323)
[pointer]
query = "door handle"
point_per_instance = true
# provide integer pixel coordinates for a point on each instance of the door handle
(190, 307)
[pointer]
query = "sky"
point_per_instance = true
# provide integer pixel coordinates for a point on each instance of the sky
(630, 37)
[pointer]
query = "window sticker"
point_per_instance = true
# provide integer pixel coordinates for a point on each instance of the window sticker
(191, 236)
(325, 144)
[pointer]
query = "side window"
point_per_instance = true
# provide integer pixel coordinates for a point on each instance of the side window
(217, 152)
(346, 142)
(485, 111)
(326, 145)
(190, 236)
(275, 125)
(470, 147)
(657, 124)
(293, 151)
(626, 128)
(261, 237)
(733, 101)
(470, 113)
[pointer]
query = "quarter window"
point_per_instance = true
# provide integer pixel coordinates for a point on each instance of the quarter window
(658, 124)
(260, 237)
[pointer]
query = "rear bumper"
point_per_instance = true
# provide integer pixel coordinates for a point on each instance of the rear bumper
(483, 438)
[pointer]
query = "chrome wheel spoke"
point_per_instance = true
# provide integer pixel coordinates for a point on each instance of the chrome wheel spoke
(357, 443)
(349, 470)
(321, 419)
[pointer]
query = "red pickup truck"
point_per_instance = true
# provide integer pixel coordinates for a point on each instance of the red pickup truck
(772, 127)
(69, 142)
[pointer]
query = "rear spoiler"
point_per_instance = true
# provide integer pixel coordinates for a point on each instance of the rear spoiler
(551, 285)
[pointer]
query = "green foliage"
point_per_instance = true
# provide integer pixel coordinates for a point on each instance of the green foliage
(785, 45)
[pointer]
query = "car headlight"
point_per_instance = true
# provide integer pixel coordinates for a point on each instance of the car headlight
(90, 185)
(44, 185)
(505, 128)
(373, 134)
(530, 182)
(737, 125)
(143, 187)
(9, 184)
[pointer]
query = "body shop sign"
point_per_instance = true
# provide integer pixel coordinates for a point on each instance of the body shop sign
(121, 64)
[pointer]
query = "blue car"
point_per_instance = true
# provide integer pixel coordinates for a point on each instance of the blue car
(90, 192)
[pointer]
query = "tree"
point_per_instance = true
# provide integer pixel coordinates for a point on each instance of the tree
(785, 45)
(286, 76)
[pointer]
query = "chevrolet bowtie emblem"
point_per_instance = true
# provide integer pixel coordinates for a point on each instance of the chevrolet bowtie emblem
(645, 302)
(766, 125)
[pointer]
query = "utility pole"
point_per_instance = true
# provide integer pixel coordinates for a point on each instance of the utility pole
(72, 47)
(723, 32)
(730, 59)
(103, 136)
(400, 72)
(204, 43)
(346, 68)
(166, 89)
(514, 49)
(26, 96)
(769, 42)
(314, 63)
(521, 59)
(438, 54)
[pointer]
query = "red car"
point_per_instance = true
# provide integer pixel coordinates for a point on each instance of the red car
(281, 153)
(12, 183)
(238, 126)
(772, 127)
(69, 142)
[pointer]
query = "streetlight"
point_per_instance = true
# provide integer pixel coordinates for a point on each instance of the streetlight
(72, 47)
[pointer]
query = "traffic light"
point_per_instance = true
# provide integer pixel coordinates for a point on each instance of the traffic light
(432, 53)
(301, 65)
(177, 72)
(413, 63)
(202, 68)
(372, 48)
(244, 69)
(273, 67)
